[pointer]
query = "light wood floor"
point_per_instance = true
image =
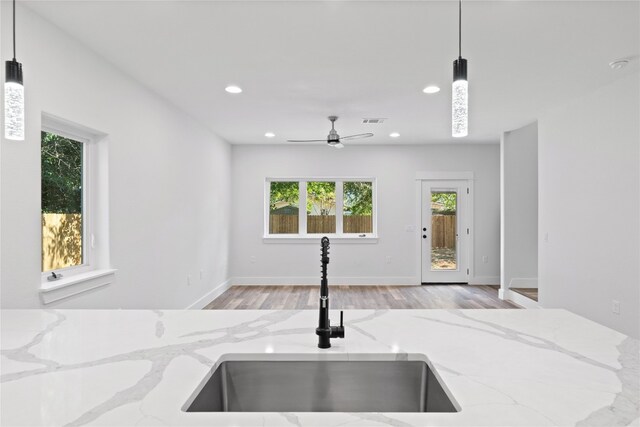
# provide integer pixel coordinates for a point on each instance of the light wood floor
(531, 293)
(359, 297)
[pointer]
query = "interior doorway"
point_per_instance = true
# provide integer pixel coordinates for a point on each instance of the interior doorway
(445, 231)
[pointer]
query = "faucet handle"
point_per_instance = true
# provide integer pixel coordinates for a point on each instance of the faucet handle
(337, 331)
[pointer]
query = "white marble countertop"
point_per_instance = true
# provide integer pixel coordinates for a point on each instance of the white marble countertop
(139, 367)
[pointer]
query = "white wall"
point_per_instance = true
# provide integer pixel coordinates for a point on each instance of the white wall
(395, 168)
(169, 185)
(589, 205)
(519, 198)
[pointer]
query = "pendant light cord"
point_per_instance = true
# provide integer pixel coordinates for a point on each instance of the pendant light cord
(14, 30)
(459, 28)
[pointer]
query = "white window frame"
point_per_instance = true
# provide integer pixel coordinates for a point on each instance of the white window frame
(302, 209)
(87, 208)
(94, 270)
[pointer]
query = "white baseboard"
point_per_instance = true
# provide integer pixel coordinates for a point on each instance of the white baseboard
(524, 282)
(385, 281)
(484, 280)
(315, 281)
(210, 296)
(521, 300)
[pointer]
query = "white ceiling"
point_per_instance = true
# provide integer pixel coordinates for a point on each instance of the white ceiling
(300, 61)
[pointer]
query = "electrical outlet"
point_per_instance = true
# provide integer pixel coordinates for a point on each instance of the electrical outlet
(252, 259)
(615, 307)
(485, 259)
(388, 260)
(188, 280)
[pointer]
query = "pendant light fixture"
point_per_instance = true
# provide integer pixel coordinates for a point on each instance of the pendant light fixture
(460, 88)
(13, 94)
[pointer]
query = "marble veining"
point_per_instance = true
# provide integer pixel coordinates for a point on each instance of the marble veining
(526, 339)
(137, 367)
(22, 353)
(159, 324)
(625, 407)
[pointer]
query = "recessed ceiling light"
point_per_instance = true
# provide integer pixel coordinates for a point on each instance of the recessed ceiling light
(431, 89)
(269, 134)
(394, 134)
(233, 89)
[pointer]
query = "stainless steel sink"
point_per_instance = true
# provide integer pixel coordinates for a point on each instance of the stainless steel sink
(321, 386)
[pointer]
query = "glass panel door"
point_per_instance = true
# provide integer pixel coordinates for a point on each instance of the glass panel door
(444, 232)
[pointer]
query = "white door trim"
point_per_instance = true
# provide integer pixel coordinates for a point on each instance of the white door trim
(449, 176)
(444, 176)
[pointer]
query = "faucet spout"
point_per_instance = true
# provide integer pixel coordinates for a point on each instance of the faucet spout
(324, 330)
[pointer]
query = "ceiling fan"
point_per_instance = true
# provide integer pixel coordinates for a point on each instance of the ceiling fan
(333, 139)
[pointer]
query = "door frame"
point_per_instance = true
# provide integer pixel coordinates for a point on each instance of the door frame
(444, 176)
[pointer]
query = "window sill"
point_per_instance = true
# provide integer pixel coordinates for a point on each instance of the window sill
(74, 285)
(309, 239)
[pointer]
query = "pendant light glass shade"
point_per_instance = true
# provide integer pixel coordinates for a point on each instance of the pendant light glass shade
(459, 109)
(460, 99)
(13, 102)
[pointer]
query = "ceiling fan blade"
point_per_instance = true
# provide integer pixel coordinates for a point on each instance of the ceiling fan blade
(306, 140)
(360, 135)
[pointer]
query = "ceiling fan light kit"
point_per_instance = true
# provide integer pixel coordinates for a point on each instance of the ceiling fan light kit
(333, 139)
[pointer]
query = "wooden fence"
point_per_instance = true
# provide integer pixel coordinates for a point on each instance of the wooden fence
(61, 240)
(288, 224)
(443, 227)
(321, 224)
(357, 224)
(443, 231)
(283, 224)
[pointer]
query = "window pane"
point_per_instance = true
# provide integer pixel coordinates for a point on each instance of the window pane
(321, 207)
(283, 208)
(358, 207)
(61, 203)
(444, 206)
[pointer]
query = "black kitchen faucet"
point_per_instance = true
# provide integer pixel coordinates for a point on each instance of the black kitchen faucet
(324, 330)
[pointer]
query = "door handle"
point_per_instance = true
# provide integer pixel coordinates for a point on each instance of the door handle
(424, 236)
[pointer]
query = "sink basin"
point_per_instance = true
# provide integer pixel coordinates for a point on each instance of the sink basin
(321, 386)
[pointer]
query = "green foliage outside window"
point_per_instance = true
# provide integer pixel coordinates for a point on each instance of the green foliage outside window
(358, 198)
(444, 203)
(321, 197)
(286, 192)
(61, 162)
